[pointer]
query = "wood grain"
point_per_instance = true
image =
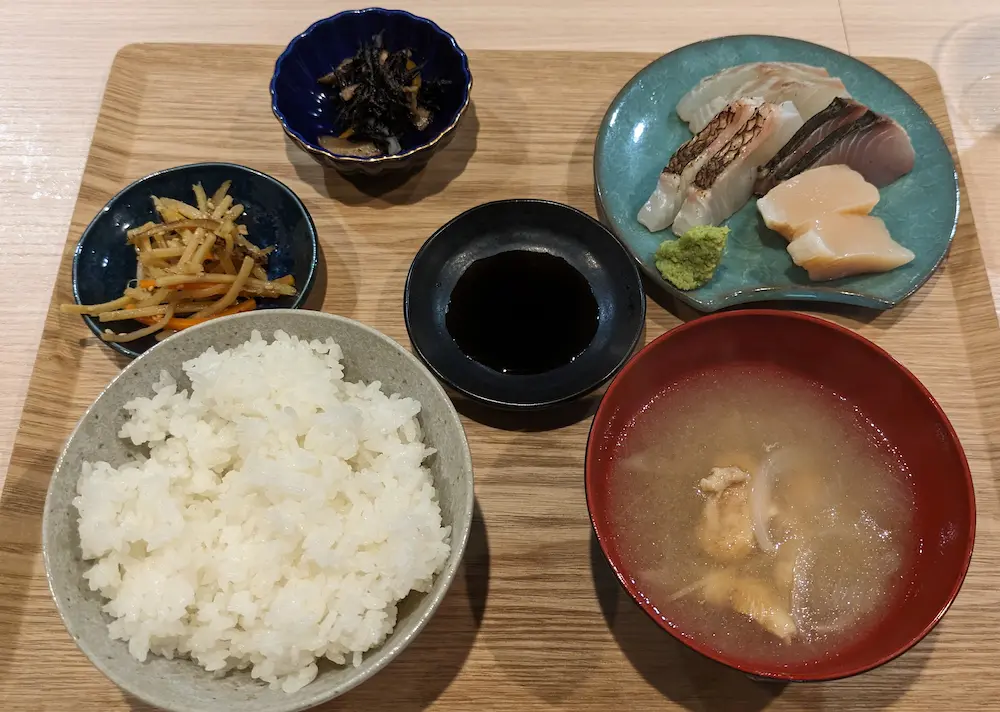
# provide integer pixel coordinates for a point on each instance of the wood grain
(56, 55)
(962, 42)
(535, 619)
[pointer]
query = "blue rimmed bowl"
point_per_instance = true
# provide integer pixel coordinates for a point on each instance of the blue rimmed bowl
(641, 129)
(104, 263)
(302, 105)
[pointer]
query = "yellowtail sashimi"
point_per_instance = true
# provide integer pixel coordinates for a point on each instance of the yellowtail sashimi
(840, 112)
(874, 145)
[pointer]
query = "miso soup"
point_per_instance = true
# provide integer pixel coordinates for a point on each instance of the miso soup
(763, 515)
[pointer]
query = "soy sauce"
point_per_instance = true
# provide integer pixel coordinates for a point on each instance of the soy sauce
(522, 312)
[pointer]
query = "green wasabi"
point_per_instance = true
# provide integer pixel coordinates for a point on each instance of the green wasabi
(690, 261)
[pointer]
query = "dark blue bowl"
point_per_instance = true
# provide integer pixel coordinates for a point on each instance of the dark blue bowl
(104, 262)
(302, 106)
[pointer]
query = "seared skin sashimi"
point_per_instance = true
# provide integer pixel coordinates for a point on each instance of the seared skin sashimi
(724, 184)
(666, 199)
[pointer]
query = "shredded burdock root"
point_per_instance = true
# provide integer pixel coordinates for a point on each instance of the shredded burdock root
(197, 261)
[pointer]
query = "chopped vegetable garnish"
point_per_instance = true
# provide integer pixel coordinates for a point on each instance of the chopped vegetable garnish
(196, 261)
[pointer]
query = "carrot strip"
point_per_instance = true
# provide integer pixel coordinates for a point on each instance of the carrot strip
(200, 291)
(177, 323)
(230, 297)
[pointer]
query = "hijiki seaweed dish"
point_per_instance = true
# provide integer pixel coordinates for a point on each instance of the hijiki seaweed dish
(380, 97)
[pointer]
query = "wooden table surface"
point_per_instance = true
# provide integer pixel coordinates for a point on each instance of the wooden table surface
(55, 56)
(535, 619)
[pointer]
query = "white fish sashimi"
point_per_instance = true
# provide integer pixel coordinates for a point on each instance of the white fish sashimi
(787, 120)
(724, 184)
(811, 92)
(727, 80)
(809, 97)
(665, 200)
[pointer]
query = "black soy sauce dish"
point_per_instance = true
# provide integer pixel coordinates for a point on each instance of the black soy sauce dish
(524, 304)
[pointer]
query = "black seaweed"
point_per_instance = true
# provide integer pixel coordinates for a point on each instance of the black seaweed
(375, 96)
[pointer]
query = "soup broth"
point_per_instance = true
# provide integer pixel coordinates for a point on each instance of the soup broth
(764, 516)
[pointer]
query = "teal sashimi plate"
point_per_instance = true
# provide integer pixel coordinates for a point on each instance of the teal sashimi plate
(641, 130)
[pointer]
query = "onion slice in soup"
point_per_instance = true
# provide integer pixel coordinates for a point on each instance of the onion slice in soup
(761, 484)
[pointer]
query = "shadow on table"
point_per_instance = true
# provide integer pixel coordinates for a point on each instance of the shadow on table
(530, 421)
(679, 673)
(423, 671)
(855, 316)
(692, 680)
(403, 188)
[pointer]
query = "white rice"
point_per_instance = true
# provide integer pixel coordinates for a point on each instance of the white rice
(280, 516)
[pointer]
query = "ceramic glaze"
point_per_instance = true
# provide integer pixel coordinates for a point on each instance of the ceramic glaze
(179, 685)
(868, 379)
(641, 129)
(105, 262)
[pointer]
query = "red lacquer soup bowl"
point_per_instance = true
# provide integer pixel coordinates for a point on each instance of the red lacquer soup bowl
(885, 392)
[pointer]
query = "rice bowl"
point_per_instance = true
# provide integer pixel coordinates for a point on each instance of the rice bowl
(279, 517)
(265, 509)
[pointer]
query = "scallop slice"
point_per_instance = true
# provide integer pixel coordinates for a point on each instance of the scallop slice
(792, 206)
(836, 245)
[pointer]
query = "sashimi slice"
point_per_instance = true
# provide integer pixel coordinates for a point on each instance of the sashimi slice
(787, 120)
(659, 211)
(774, 83)
(837, 245)
(793, 205)
(726, 80)
(716, 88)
(875, 146)
(724, 184)
(838, 112)
(811, 97)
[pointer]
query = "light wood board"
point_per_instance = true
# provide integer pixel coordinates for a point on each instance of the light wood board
(45, 129)
(535, 619)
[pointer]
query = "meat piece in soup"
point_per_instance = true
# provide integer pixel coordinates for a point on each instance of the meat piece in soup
(766, 517)
(752, 597)
(765, 607)
(725, 531)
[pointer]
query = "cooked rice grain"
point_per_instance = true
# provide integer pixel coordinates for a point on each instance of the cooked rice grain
(279, 517)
